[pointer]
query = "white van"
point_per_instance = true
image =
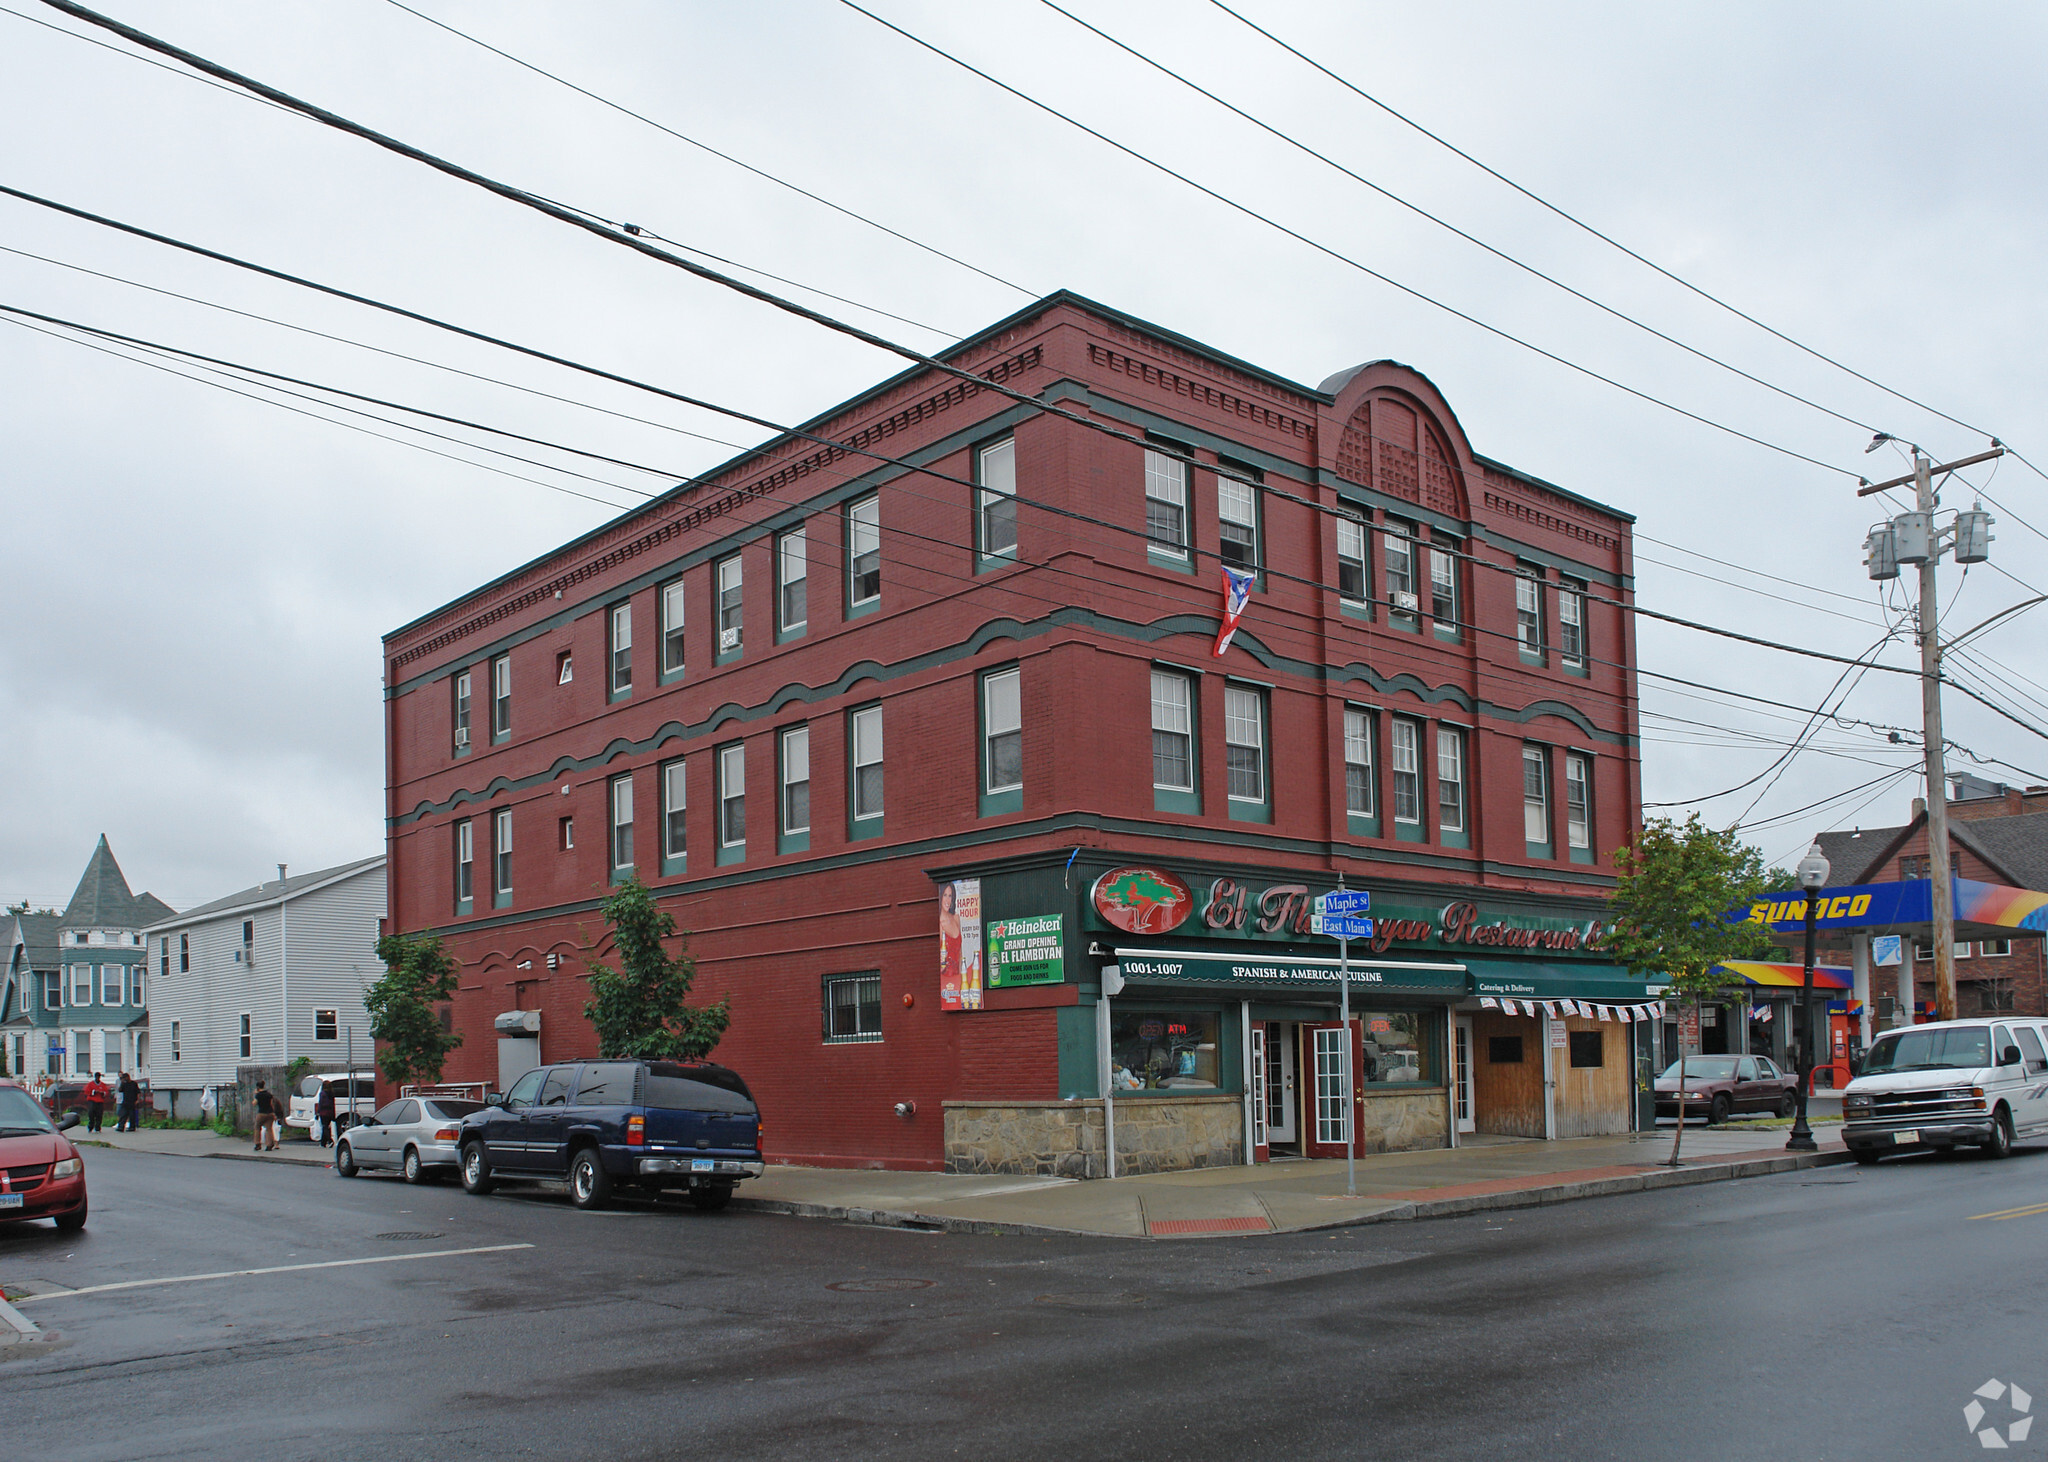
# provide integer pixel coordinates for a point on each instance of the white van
(346, 1113)
(1956, 1083)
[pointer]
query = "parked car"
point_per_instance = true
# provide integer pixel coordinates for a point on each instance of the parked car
(45, 1173)
(652, 1125)
(415, 1136)
(1717, 1087)
(1953, 1083)
(346, 1112)
(60, 1097)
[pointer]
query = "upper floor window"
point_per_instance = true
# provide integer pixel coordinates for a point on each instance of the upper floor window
(1166, 503)
(465, 861)
(53, 990)
(1244, 742)
(622, 823)
(1571, 623)
(1002, 729)
(163, 957)
(996, 500)
(113, 983)
(184, 954)
(81, 984)
(565, 667)
(461, 711)
(1351, 585)
(501, 847)
(501, 697)
(1995, 948)
(674, 604)
(792, 570)
(1443, 584)
(326, 1024)
(727, 587)
(1358, 778)
(1535, 795)
(867, 763)
(1401, 598)
(1529, 609)
(1578, 800)
(1450, 779)
(1237, 521)
(137, 975)
(1407, 770)
(622, 648)
(675, 801)
(864, 550)
(732, 796)
(1173, 725)
(796, 780)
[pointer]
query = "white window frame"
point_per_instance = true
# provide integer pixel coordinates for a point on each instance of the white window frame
(1994, 949)
(1406, 762)
(619, 801)
(1400, 557)
(138, 985)
(1353, 547)
(1332, 1057)
(864, 541)
(333, 1023)
(675, 807)
(1177, 709)
(461, 712)
(675, 611)
(1166, 484)
(1002, 716)
(621, 661)
(245, 1036)
(465, 860)
(177, 1048)
(1237, 513)
(501, 851)
(501, 697)
(795, 763)
(732, 790)
(81, 991)
(729, 605)
(1528, 610)
(114, 977)
(996, 498)
(792, 576)
(1443, 582)
(1536, 803)
(1244, 715)
(1571, 623)
(864, 736)
(1358, 753)
(1452, 816)
(53, 989)
(1578, 800)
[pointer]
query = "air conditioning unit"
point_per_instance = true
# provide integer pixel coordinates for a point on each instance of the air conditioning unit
(462, 738)
(1402, 599)
(728, 639)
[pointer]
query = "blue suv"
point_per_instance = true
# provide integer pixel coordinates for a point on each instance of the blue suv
(604, 1125)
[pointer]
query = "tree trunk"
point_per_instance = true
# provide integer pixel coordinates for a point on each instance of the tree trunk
(1678, 1133)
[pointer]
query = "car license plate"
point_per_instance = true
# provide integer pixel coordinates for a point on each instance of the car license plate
(1901, 1139)
(11, 1200)
(703, 1165)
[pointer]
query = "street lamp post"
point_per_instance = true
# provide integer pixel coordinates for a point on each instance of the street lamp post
(1813, 877)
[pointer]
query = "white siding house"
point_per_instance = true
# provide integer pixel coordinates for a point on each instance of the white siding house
(263, 977)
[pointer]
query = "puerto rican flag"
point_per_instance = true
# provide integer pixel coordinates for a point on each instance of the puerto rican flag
(1237, 592)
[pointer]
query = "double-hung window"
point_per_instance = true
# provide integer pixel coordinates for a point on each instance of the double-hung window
(864, 551)
(326, 1025)
(113, 984)
(796, 781)
(53, 991)
(465, 865)
(1166, 504)
(1358, 778)
(462, 713)
(1407, 771)
(675, 806)
(1578, 803)
(1529, 611)
(1173, 732)
(184, 954)
(622, 824)
(501, 849)
(1450, 780)
(81, 984)
(245, 1036)
(1237, 520)
(1536, 798)
(1571, 624)
(622, 649)
(1443, 587)
(137, 979)
(674, 604)
(867, 766)
(1244, 742)
(1402, 604)
(996, 499)
(1351, 585)
(177, 1050)
(163, 957)
(853, 1009)
(727, 587)
(1002, 732)
(732, 802)
(501, 698)
(792, 570)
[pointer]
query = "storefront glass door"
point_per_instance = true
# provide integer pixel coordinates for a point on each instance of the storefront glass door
(1281, 1128)
(1333, 1056)
(1462, 1055)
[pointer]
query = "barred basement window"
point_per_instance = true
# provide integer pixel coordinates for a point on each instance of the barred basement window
(853, 1009)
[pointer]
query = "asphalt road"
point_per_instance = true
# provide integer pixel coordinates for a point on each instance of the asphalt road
(1836, 1313)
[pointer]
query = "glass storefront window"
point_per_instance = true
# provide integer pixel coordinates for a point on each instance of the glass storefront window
(1397, 1046)
(1164, 1049)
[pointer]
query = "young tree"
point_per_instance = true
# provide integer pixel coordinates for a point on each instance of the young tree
(638, 1008)
(418, 974)
(1668, 917)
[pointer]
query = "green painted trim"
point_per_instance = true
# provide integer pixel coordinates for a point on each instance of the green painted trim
(502, 899)
(786, 843)
(1166, 558)
(727, 657)
(613, 697)
(464, 908)
(1450, 634)
(988, 563)
(1166, 800)
(1001, 804)
(499, 738)
(1582, 855)
(1352, 610)
(864, 608)
(860, 829)
(1404, 620)
(1537, 850)
(1080, 1073)
(784, 636)
(461, 751)
(1244, 810)
(1408, 832)
(676, 867)
(620, 875)
(672, 677)
(1448, 839)
(1582, 670)
(1361, 827)
(1536, 658)
(729, 855)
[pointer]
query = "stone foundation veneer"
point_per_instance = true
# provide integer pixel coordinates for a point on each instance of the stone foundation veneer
(1156, 1132)
(1402, 1121)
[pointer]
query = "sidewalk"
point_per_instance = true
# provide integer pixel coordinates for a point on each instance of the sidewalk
(1281, 1197)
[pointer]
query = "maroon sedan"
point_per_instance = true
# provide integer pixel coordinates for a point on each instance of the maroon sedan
(1717, 1087)
(41, 1173)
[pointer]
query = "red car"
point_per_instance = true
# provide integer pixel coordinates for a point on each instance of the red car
(41, 1173)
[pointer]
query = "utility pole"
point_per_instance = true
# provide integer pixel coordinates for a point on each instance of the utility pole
(1913, 538)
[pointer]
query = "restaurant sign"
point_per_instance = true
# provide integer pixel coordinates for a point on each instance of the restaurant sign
(1027, 951)
(1194, 966)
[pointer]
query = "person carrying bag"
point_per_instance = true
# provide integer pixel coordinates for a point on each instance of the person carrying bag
(268, 1113)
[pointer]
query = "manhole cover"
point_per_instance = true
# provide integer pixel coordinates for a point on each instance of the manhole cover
(879, 1286)
(408, 1234)
(1091, 1301)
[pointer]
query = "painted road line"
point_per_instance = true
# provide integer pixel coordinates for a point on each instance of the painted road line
(14, 1319)
(2031, 1210)
(65, 1294)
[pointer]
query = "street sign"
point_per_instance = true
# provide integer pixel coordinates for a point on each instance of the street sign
(1349, 902)
(1335, 926)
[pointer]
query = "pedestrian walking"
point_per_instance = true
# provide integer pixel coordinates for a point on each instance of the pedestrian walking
(323, 1112)
(268, 1111)
(131, 1097)
(97, 1095)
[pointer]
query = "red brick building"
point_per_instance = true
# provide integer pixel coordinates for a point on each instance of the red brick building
(915, 748)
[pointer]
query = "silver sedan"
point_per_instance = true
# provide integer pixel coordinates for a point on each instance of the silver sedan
(414, 1136)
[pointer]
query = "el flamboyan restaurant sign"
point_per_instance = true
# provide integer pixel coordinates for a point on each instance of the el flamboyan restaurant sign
(1152, 901)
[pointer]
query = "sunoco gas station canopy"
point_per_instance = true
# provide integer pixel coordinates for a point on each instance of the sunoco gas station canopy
(1982, 910)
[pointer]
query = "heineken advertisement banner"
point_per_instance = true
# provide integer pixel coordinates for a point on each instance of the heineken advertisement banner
(1151, 901)
(1027, 951)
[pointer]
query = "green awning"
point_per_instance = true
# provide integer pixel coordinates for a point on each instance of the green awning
(1522, 979)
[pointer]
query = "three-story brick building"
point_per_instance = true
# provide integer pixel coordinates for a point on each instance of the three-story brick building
(914, 719)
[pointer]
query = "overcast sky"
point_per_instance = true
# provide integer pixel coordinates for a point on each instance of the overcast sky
(196, 582)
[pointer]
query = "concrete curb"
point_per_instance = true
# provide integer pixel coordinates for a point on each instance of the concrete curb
(923, 1222)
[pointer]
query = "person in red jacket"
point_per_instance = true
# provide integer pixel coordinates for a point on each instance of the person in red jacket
(97, 1095)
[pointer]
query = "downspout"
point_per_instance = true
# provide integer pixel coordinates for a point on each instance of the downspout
(284, 980)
